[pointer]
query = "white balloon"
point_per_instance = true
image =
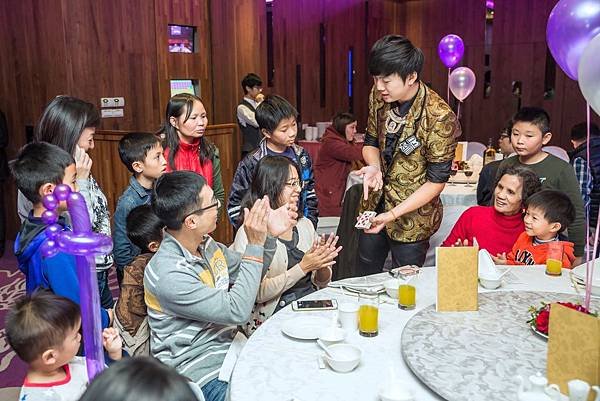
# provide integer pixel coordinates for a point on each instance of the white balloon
(589, 74)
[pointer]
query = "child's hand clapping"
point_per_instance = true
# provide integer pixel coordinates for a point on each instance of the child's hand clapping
(112, 342)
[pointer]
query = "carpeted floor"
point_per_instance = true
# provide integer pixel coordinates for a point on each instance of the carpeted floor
(12, 287)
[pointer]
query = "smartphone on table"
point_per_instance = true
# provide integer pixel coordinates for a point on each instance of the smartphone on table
(315, 304)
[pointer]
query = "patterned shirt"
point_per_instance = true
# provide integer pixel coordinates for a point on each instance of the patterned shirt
(584, 177)
(427, 139)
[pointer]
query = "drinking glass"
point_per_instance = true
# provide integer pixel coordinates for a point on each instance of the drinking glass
(468, 174)
(407, 292)
(453, 172)
(368, 314)
(554, 259)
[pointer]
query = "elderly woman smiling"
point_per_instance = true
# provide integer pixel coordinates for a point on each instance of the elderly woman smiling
(497, 227)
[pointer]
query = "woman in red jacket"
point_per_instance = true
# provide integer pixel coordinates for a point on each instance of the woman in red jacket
(333, 165)
(496, 228)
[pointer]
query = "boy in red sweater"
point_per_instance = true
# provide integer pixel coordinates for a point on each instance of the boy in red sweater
(549, 213)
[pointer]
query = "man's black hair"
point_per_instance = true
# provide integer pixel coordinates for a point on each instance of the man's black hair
(134, 147)
(176, 194)
(251, 80)
(272, 110)
(37, 164)
(579, 131)
(395, 54)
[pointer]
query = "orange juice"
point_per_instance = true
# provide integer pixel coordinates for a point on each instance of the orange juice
(553, 267)
(367, 320)
(407, 295)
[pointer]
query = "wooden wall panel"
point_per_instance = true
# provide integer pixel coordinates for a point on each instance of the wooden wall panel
(181, 65)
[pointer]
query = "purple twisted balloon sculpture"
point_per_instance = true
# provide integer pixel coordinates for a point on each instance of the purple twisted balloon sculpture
(84, 244)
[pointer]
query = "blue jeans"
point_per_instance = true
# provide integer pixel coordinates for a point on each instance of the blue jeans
(215, 390)
(106, 299)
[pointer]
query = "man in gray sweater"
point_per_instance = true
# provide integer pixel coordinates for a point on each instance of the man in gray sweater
(196, 289)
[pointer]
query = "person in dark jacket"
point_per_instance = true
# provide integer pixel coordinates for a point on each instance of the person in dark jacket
(337, 153)
(589, 178)
(276, 118)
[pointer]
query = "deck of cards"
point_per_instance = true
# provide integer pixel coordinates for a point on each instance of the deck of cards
(363, 221)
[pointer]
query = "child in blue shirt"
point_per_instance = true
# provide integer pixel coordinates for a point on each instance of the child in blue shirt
(142, 154)
(39, 168)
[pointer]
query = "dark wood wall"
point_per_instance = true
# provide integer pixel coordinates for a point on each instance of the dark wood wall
(91, 49)
(518, 53)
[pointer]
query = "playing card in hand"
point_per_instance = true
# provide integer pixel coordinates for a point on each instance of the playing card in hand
(364, 220)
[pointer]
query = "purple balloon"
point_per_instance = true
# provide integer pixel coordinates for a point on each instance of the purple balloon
(49, 216)
(52, 231)
(48, 249)
(62, 191)
(571, 26)
(50, 202)
(451, 50)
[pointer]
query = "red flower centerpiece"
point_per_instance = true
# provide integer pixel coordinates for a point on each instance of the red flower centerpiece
(540, 317)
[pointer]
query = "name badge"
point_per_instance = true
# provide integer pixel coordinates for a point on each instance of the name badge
(409, 145)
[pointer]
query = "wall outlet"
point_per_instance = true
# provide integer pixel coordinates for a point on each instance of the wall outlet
(112, 102)
(109, 113)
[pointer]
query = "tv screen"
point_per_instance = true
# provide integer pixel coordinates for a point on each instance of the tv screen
(183, 86)
(181, 39)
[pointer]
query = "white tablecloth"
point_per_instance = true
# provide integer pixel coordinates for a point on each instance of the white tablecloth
(455, 194)
(278, 368)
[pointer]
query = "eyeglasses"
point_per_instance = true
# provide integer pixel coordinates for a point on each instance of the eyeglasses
(295, 183)
(216, 203)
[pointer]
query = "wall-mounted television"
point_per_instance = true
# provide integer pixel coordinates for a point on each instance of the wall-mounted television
(185, 86)
(182, 39)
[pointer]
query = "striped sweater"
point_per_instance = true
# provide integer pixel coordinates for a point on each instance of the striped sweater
(195, 303)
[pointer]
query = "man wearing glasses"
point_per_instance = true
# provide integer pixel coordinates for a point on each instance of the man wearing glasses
(196, 289)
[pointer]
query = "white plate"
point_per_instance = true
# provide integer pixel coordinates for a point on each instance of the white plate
(579, 272)
(304, 327)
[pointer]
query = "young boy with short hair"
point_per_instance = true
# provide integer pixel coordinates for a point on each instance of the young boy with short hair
(43, 330)
(142, 154)
(276, 119)
(251, 136)
(530, 132)
(548, 214)
(145, 231)
(38, 169)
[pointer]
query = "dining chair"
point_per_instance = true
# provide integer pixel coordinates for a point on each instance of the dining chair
(557, 151)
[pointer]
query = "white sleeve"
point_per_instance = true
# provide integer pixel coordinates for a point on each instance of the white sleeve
(246, 116)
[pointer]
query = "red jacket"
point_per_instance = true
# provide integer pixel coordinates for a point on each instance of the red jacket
(494, 231)
(525, 252)
(331, 170)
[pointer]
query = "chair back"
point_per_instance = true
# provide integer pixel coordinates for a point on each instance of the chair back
(475, 148)
(557, 151)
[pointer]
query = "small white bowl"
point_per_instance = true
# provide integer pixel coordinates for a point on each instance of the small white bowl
(391, 287)
(344, 357)
(332, 335)
(491, 283)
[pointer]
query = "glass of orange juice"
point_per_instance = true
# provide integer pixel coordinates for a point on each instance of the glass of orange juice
(368, 314)
(407, 296)
(554, 259)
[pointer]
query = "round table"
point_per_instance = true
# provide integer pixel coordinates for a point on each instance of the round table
(275, 367)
